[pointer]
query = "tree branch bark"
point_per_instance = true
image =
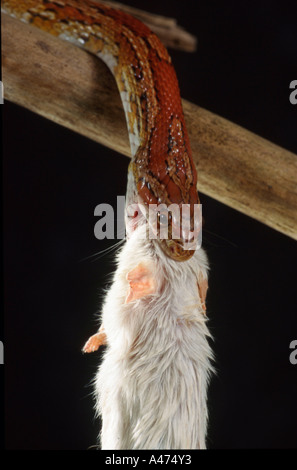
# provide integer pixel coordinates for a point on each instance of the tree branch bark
(69, 86)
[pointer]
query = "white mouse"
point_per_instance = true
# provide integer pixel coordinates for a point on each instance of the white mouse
(151, 388)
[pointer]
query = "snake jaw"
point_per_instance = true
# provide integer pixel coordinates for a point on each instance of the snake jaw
(182, 248)
(175, 250)
(177, 236)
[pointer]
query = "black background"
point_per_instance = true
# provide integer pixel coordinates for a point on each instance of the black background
(53, 179)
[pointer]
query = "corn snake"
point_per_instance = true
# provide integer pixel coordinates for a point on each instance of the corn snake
(162, 170)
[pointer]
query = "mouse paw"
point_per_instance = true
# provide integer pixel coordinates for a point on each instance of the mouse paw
(202, 290)
(95, 341)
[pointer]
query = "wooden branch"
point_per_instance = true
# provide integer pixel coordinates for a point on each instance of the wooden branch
(76, 90)
(171, 34)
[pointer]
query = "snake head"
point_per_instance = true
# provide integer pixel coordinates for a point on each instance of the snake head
(166, 184)
(176, 227)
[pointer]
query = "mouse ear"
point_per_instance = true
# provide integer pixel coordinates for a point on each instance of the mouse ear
(141, 282)
(202, 289)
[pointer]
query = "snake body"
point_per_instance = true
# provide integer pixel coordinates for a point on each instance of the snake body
(162, 169)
